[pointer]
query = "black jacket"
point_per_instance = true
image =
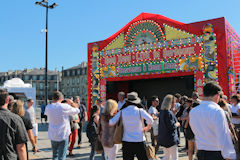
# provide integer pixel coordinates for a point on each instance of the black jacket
(167, 130)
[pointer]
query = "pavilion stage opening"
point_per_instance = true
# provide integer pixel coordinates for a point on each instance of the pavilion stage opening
(149, 87)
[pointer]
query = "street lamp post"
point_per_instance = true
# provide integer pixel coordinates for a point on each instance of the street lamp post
(44, 3)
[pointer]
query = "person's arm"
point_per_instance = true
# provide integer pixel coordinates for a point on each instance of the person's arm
(85, 114)
(85, 117)
(96, 119)
(69, 110)
(115, 119)
(32, 140)
(21, 151)
(147, 128)
(223, 135)
(148, 118)
(185, 118)
(187, 122)
(35, 119)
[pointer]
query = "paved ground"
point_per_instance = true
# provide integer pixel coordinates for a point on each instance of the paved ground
(80, 154)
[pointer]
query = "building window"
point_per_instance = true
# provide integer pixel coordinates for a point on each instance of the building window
(68, 82)
(34, 78)
(55, 86)
(78, 80)
(79, 90)
(41, 77)
(34, 85)
(68, 73)
(54, 77)
(73, 81)
(41, 85)
(26, 77)
(78, 71)
(73, 90)
(73, 73)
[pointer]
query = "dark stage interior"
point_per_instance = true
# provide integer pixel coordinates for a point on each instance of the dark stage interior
(149, 87)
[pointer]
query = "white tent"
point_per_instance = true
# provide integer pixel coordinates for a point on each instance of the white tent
(19, 88)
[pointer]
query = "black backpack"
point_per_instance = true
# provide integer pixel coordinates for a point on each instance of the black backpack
(91, 130)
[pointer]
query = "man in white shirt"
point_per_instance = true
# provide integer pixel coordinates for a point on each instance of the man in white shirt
(30, 113)
(154, 113)
(121, 100)
(59, 125)
(210, 127)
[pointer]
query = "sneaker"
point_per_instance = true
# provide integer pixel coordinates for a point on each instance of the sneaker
(71, 154)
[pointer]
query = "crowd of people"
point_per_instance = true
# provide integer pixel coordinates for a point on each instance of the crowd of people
(19, 124)
(210, 125)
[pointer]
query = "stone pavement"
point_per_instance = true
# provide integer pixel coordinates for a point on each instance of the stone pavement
(83, 153)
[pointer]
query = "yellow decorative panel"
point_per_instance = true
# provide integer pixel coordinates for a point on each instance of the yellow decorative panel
(175, 33)
(116, 43)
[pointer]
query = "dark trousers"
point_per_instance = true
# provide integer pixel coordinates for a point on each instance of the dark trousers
(209, 155)
(80, 133)
(130, 149)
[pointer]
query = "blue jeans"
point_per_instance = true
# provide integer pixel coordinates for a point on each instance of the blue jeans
(93, 152)
(209, 155)
(59, 149)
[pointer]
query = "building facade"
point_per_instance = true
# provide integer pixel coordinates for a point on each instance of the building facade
(36, 77)
(74, 82)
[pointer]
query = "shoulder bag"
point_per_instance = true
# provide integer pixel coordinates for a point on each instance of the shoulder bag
(150, 150)
(118, 134)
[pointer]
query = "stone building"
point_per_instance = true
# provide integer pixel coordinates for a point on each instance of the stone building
(74, 82)
(36, 77)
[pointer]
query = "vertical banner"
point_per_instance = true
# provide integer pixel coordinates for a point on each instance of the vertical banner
(103, 89)
(199, 82)
(95, 74)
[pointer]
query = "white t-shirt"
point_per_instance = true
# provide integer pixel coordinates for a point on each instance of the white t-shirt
(234, 109)
(153, 110)
(31, 114)
(120, 104)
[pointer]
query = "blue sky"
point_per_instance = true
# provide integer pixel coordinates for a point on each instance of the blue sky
(74, 23)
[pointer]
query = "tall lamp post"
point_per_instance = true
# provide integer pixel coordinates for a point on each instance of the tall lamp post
(44, 3)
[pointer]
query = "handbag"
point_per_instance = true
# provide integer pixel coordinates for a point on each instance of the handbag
(150, 150)
(118, 134)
